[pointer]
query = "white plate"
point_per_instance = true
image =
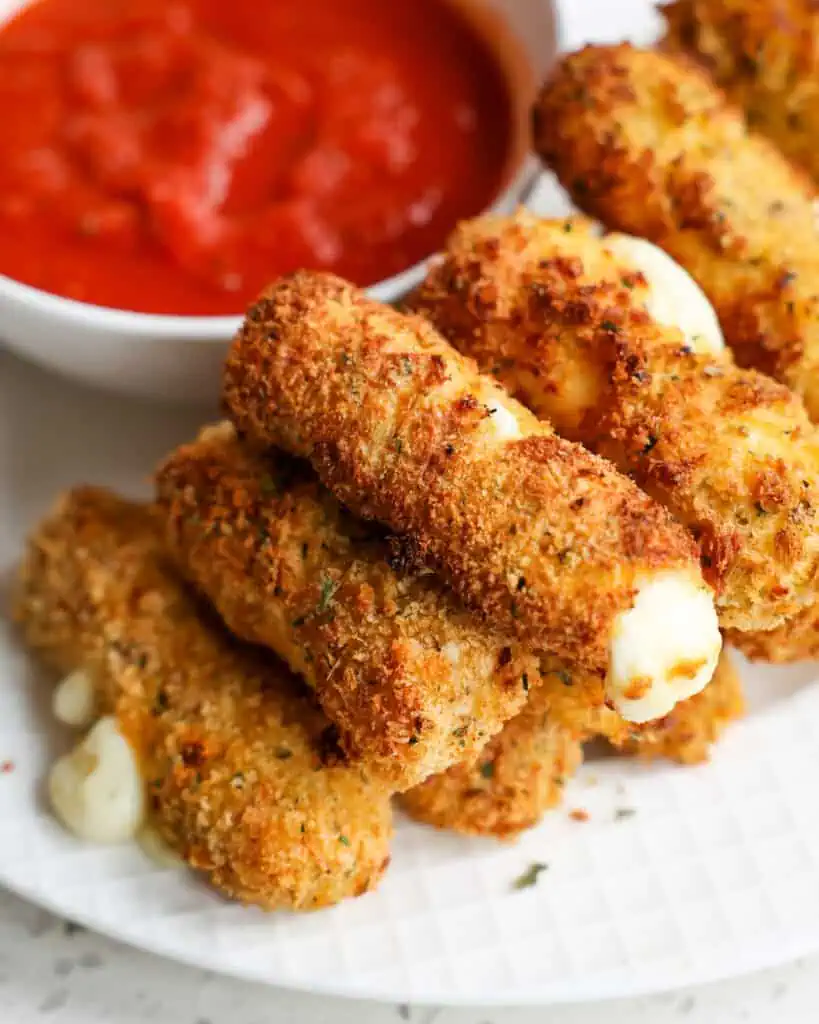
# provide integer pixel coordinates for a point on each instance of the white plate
(716, 873)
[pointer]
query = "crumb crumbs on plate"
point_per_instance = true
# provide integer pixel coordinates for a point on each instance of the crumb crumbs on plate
(6, 767)
(579, 814)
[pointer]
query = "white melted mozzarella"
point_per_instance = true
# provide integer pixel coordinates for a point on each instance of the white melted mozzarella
(74, 701)
(157, 849)
(674, 297)
(664, 649)
(96, 790)
(501, 423)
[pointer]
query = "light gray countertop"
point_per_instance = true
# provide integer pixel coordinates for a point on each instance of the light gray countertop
(52, 972)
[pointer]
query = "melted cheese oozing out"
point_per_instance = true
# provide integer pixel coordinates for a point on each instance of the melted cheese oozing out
(674, 298)
(664, 649)
(96, 790)
(157, 849)
(74, 701)
(501, 423)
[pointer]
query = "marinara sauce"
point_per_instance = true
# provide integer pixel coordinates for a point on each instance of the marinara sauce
(173, 156)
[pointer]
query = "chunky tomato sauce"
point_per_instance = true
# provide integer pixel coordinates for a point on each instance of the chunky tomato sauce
(174, 156)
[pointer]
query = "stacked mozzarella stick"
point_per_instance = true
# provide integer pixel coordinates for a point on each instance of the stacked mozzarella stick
(646, 142)
(465, 596)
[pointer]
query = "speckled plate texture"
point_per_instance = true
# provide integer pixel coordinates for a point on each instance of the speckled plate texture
(714, 873)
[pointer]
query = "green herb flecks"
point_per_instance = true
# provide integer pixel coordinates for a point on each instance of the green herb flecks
(530, 876)
(328, 589)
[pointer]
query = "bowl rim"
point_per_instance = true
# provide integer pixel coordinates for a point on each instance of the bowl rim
(132, 323)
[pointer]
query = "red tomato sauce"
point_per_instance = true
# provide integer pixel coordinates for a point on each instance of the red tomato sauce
(173, 156)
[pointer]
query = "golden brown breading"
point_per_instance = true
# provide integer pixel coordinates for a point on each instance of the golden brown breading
(411, 680)
(649, 145)
(244, 779)
(532, 531)
(561, 321)
(691, 729)
(796, 640)
(764, 54)
(521, 773)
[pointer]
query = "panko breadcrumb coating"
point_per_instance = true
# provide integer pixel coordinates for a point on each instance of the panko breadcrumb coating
(243, 775)
(521, 773)
(559, 316)
(535, 533)
(649, 145)
(411, 680)
(796, 640)
(764, 54)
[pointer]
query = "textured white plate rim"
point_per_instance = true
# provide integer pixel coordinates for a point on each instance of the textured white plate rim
(754, 959)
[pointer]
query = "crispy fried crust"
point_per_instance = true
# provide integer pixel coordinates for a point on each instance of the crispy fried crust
(411, 680)
(649, 145)
(764, 54)
(796, 640)
(561, 321)
(536, 534)
(238, 761)
(693, 727)
(521, 773)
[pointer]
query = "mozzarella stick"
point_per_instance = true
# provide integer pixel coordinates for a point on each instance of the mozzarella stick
(533, 532)
(690, 731)
(244, 781)
(412, 682)
(764, 61)
(518, 777)
(522, 772)
(796, 640)
(647, 143)
(615, 345)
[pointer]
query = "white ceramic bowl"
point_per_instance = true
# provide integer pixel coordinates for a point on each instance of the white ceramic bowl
(178, 358)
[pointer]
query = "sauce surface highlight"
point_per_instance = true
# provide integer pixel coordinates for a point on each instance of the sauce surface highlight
(173, 156)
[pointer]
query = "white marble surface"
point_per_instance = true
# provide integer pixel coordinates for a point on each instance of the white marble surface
(52, 973)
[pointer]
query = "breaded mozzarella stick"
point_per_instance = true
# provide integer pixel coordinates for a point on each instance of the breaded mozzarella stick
(519, 775)
(412, 681)
(764, 55)
(690, 731)
(532, 531)
(522, 772)
(648, 144)
(796, 640)
(242, 777)
(628, 362)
